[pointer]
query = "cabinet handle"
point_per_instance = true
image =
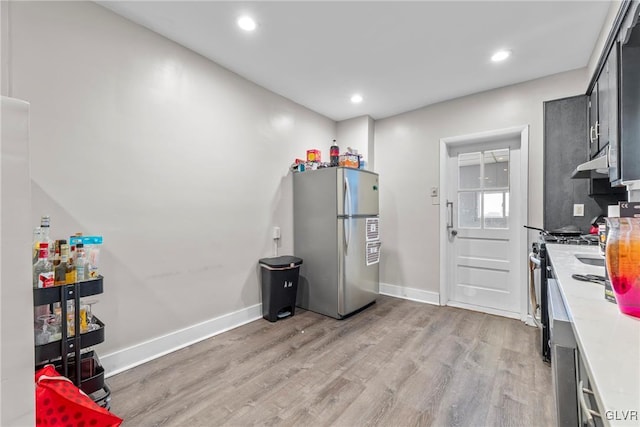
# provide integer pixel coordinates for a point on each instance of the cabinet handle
(597, 129)
(591, 137)
(588, 412)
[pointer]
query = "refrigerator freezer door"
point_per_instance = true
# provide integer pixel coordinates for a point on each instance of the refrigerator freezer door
(357, 192)
(358, 284)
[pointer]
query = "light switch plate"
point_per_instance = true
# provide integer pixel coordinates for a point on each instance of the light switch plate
(578, 209)
(434, 191)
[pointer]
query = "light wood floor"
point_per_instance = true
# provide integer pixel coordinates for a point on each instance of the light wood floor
(398, 363)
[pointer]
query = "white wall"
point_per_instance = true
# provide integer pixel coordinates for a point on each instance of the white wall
(407, 158)
(180, 164)
(357, 133)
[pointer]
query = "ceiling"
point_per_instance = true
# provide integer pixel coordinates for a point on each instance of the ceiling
(398, 55)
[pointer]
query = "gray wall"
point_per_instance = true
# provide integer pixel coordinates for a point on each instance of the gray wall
(180, 164)
(357, 133)
(407, 158)
(565, 147)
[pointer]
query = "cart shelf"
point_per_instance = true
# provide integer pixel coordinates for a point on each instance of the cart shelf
(53, 349)
(43, 296)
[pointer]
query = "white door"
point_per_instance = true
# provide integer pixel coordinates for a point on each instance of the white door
(484, 222)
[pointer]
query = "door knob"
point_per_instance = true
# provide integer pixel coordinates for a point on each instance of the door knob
(454, 233)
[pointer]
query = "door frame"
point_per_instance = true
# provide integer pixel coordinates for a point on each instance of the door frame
(521, 259)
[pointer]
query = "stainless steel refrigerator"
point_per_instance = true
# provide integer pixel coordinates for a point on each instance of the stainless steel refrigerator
(337, 234)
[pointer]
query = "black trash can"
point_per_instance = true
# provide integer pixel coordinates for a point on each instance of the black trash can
(279, 286)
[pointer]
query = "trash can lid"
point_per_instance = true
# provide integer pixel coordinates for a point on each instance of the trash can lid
(281, 261)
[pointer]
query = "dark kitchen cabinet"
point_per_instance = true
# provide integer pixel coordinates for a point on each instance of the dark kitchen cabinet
(589, 412)
(603, 107)
(565, 132)
(603, 190)
(614, 102)
(602, 125)
(593, 123)
(630, 106)
(613, 93)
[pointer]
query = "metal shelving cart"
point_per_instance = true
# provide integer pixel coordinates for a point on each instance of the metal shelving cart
(88, 375)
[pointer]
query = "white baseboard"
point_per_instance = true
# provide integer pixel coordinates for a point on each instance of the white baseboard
(412, 294)
(127, 358)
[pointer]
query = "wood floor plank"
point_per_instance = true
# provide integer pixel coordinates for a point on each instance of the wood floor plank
(396, 363)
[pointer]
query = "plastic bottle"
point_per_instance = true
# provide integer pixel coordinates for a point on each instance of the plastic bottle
(334, 154)
(81, 262)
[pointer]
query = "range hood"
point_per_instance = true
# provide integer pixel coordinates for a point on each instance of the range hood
(596, 168)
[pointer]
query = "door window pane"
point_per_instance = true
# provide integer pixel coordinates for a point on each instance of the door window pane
(469, 209)
(496, 168)
(469, 171)
(496, 209)
(483, 189)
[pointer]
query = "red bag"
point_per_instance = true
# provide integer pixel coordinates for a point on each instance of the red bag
(60, 403)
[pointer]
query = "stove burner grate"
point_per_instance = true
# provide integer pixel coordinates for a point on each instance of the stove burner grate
(585, 239)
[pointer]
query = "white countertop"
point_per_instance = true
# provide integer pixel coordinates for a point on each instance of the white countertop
(608, 340)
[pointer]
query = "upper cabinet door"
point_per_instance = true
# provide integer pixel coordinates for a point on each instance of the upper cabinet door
(593, 122)
(629, 92)
(614, 126)
(602, 126)
(630, 110)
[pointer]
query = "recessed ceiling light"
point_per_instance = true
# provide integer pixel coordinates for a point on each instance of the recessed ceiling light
(501, 55)
(356, 99)
(247, 23)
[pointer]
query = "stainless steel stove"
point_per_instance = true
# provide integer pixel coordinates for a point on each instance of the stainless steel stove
(539, 257)
(584, 239)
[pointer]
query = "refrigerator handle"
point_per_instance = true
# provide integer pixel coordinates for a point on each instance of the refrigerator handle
(347, 211)
(347, 196)
(347, 235)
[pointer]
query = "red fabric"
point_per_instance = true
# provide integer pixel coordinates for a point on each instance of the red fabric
(59, 403)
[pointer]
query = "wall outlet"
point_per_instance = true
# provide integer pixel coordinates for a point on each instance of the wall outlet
(276, 232)
(578, 209)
